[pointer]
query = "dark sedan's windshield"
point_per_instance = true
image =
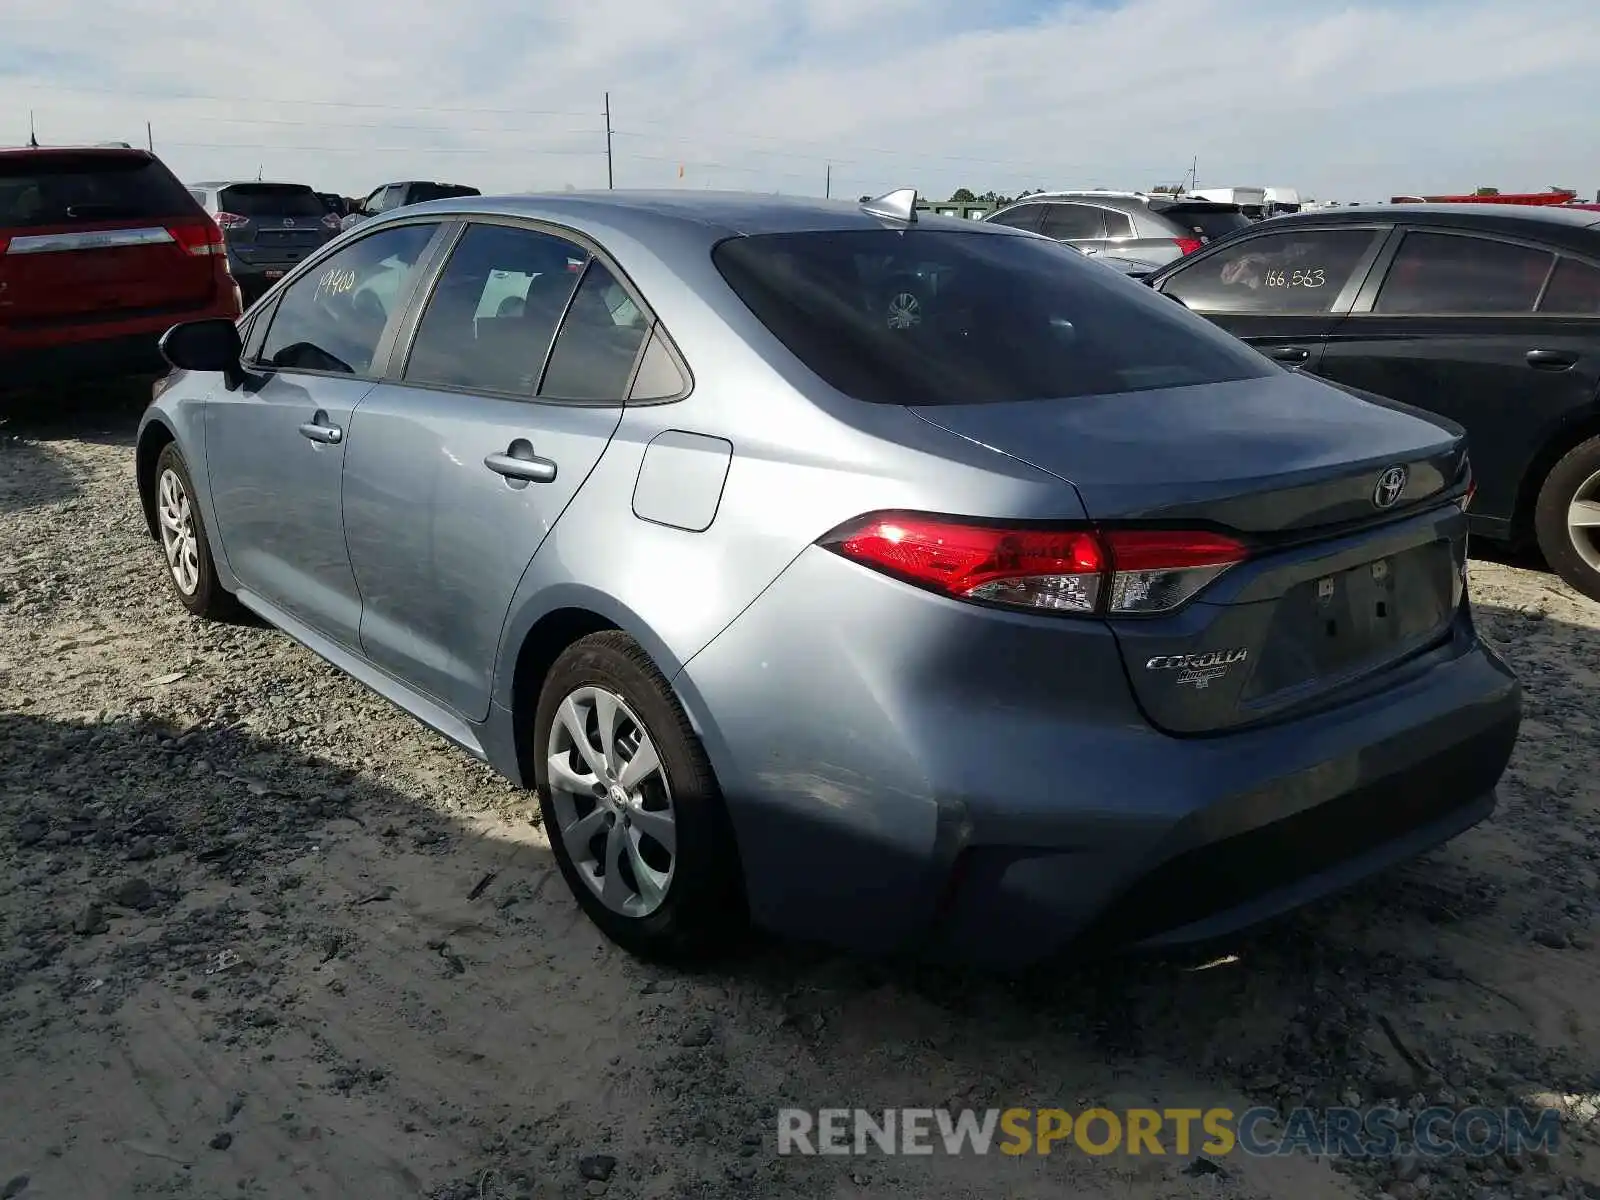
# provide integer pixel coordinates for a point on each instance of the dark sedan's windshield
(950, 317)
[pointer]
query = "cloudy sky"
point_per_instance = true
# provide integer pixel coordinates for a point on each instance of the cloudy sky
(1345, 100)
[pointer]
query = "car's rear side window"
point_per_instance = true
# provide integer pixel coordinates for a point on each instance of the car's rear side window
(1574, 290)
(1451, 273)
(1206, 221)
(270, 200)
(422, 192)
(57, 188)
(949, 317)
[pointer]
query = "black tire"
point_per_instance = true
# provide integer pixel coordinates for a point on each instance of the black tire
(207, 598)
(1560, 488)
(703, 914)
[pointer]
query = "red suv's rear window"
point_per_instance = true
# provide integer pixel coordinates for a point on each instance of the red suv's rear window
(57, 188)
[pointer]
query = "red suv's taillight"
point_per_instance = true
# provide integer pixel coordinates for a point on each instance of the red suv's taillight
(1187, 245)
(4, 242)
(1072, 570)
(198, 237)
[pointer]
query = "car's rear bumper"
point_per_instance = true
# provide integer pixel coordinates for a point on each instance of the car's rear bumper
(96, 352)
(904, 774)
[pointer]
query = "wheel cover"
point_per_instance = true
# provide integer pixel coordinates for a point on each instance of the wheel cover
(905, 311)
(1583, 521)
(612, 802)
(175, 517)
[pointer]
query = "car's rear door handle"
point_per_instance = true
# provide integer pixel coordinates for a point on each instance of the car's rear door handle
(520, 462)
(320, 429)
(1289, 354)
(1551, 360)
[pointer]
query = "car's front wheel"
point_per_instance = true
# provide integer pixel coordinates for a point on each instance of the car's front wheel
(1566, 518)
(631, 807)
(182, 531)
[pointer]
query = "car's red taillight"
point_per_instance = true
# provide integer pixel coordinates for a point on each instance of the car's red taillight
(1074, 570)
(200, 237)
(1187, 245)
(228, 220)
(4, 242)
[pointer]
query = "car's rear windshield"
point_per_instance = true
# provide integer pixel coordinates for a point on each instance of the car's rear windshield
(439, 191)
(950, 317)
(270, 200)
(1206, 220)
(56, 188)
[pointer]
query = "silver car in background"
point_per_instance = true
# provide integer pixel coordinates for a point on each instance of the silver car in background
(1043, 615)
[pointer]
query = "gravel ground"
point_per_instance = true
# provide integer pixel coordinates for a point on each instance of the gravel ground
(262, 935)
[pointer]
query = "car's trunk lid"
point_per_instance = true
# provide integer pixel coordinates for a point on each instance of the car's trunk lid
(1341, 581)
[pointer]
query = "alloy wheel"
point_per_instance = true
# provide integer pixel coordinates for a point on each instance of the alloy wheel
(178, 535)
(1583, 521)
(905, 311)
(612, 801)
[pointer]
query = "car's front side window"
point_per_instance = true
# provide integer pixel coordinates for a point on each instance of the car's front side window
(1288, 272)
(333, 318)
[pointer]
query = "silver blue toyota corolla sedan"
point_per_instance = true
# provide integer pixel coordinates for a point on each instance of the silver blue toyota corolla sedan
(908, 583)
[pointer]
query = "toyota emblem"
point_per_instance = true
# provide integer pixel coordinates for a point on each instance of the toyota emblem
(1390, 484)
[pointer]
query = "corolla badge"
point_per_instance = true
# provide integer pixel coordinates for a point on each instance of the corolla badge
(1389, 486)
(1198, 669)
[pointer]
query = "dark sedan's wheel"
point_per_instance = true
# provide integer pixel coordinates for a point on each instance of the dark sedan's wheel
(190, 569)
(631, 807)
(1567, 518)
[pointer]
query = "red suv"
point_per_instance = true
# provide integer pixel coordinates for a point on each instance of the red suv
(101, 252)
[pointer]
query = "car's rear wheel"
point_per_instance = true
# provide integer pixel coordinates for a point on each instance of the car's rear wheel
(182, 532)
(631, 807)
(1566, 518)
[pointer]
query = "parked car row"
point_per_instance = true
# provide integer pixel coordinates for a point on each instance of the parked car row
(102, 250)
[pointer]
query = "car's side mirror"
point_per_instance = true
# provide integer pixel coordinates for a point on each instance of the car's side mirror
(212, 345)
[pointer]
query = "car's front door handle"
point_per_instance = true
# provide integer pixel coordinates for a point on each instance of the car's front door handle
(1551, 360)
(520, 462)
(320, 429)
(1289, 354)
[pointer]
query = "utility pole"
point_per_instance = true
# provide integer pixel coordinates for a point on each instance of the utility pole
(610, 178)
(149, 137)
(1194, 174)
(827, 185)
(33, 137)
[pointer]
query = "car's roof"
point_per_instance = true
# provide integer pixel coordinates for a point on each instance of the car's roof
(78, 152)
(1508, 217)
(225, 183)
(700, 215)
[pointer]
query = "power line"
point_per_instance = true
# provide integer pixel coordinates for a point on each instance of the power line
(280, 100)
(389, 149)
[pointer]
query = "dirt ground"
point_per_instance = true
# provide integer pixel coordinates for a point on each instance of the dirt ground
(262, 935)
